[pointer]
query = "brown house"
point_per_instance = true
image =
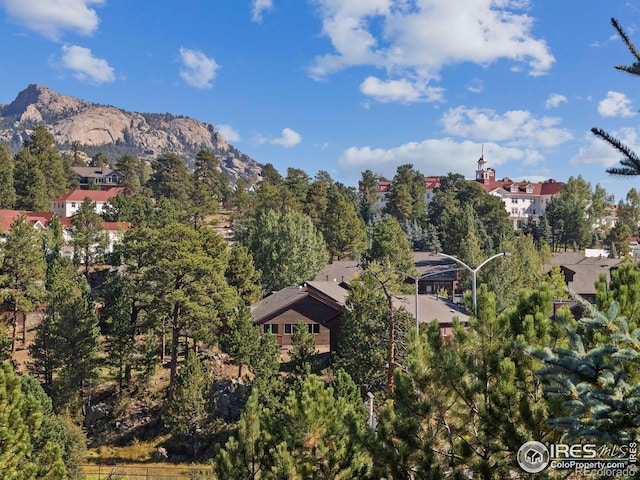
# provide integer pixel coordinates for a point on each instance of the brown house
(581, 273)
(318, 304)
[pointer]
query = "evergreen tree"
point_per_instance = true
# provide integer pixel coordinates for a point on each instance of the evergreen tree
(189, 289)
(30, 183)
(315, 427)
(170, 179)
(406, 195)
(188, 413)
(594, 379)
(66, 344)
(76, 341)
(41, 146)
(630, 164)
(22, 273)
(132, 170)
(389, 246)
(16, 449)
(368, 193)
(89, 242)
(7, 167)
(246, 455)
(242, 274)
(342, 229)
(49, 437)
(303, 348)
(265, 366)
(362, 346)
(240, 338)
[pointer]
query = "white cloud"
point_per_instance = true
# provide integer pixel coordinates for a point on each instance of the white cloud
(52, 17)
(403, 90)
(288, 139)
(599, 152)
(432, 157)
(417, 40)
(615, 105)
(198, 69)
(515, 127)
(85, 66)
(555, 100)
(260, 6)
(228, 132)
(475, 86)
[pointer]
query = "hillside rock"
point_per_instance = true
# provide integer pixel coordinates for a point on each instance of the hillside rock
(113, 131)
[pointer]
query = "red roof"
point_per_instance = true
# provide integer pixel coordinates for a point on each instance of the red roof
(7, 217)
(549, 188)
(110, 226)
(94, 195)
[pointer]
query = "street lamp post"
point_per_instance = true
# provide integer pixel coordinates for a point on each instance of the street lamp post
(474, 271)
(415, 279)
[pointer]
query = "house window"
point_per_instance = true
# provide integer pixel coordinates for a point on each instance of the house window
(514, 211)
(271, 328)
(514, 200)
(73, 204)
(314, 328)
(288, 328)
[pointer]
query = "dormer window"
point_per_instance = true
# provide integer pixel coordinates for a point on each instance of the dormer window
(514, 188)
(529, 189)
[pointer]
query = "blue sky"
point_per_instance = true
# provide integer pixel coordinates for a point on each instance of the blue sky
(349, 85)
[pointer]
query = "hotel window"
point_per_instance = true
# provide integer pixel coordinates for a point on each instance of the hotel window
(271, 328)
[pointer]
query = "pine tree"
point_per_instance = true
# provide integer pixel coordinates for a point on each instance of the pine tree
(315, 426)
(41, 146)
(242, 274)
(22, 273)
(16, 447)
(189, 413)
(245, 456)
(67, 339)
(7, 167)
(362, 347)
(630, 164)
(30, 183)
(303, 348)
(342, 229)
(595, 379)
(240, 338)
(89, 241)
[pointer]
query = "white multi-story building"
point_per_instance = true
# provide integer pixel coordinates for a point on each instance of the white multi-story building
(68, 204)
(522, 200)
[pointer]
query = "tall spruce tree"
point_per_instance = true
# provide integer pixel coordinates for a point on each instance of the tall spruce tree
(22, 273)
(7, 167)
(596, 379)
(189, 413)
(630, 164)
(89, 240)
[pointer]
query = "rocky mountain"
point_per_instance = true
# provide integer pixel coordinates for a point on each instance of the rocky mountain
(114, 132)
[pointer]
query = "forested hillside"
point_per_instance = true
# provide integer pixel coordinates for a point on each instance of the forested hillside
(152, 343)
